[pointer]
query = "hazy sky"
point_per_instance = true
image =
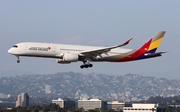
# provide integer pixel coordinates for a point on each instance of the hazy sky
(92, 22)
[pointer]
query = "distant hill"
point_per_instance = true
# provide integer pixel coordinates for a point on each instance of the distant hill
(128, 87)
(5, 73)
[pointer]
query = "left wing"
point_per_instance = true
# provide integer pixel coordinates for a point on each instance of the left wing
(99, 51)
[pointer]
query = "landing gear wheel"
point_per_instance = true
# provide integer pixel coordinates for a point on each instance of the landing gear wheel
(86, 66)
(90, 65)
(18, 61)
(82, 66)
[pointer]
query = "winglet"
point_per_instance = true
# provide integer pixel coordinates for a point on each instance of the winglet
(127, 42)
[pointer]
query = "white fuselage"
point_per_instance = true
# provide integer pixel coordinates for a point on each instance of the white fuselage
(65, 53)
(50, 50)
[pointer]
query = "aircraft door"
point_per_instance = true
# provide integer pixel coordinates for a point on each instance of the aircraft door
(25, 46)
(54, 49)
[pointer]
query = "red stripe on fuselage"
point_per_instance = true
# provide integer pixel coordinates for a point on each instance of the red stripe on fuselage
(137, 53)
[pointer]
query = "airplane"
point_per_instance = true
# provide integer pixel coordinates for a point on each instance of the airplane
(65, 54)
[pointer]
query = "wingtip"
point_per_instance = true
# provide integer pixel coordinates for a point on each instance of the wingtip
(130, 39)
(127, 42)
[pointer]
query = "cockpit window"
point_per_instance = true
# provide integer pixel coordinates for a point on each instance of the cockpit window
(15, 46)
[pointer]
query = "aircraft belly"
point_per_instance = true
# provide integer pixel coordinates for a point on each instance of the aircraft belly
(115, 57)
(38, 54)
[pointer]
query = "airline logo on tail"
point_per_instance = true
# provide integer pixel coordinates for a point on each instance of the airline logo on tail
(147, 50)
(155, 42)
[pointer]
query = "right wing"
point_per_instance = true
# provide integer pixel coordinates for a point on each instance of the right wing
(96, 52)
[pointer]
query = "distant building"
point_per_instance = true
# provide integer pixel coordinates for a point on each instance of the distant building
(115, 105)
(92, 104)
(4, 95)
(141, 108)
(63, 103)
(18, 102)
(47, 89)
(22, 100)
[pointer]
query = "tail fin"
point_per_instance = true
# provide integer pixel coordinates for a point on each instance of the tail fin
(155, 41)
(151, 46)
(148, 50)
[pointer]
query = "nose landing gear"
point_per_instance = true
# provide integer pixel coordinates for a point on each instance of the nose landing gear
(18, 60)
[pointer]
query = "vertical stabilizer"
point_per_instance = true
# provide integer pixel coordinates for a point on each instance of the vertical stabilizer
(155, 42)
(150, 46)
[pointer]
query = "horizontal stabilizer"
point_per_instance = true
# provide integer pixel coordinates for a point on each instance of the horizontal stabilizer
(154, 54)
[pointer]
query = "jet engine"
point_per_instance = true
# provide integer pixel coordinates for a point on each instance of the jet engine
(68, 58)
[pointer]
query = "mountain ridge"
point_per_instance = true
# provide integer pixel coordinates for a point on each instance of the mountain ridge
(128, 87)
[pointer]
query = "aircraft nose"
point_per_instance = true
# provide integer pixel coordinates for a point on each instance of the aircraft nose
(10, 51)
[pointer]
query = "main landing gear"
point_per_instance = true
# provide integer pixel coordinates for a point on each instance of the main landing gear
(18, 60)
(86, 65)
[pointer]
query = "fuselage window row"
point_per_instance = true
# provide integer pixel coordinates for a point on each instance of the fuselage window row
(71, 50)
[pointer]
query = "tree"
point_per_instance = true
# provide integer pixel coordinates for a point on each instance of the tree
(76, 110)
(53, 107)
(153, 110)
(167, 109)
(92, 110)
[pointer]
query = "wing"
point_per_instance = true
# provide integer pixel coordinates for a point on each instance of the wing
(95, 52)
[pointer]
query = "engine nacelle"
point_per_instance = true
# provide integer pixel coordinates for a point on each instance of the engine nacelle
(68, 58)
(61, 61)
